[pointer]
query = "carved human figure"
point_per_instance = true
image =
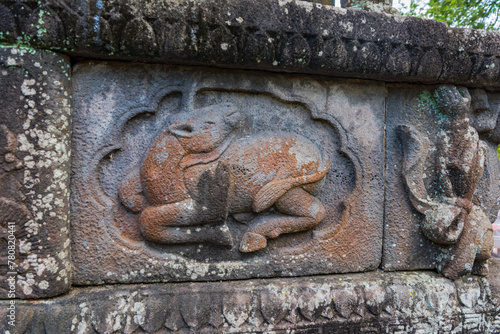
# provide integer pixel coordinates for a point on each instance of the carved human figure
(198, 172)
(453, 217)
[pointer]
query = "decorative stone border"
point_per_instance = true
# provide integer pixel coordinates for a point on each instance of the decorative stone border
(294, 36)
(417, 302)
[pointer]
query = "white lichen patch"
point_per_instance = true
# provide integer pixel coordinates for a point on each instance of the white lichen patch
(26, 89)
(284, 2)
(308, 6)
(347, 26)
(43, 147)
(305, 154)
(24, 247)
(11, 62)
(44, 285)
(140, 313)
(399, 18)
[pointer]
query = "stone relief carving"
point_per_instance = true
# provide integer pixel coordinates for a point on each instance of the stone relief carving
(220, 188)
(208, 175)
(453, 216)
(198, 172)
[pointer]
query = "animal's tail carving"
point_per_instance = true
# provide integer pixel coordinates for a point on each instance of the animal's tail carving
(268, 195)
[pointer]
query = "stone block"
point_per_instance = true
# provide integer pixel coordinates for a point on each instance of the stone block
(421, 302)
(443, 184)
(35, 124)
(194, 174)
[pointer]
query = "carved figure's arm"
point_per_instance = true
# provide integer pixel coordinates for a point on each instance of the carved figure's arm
(415, 148)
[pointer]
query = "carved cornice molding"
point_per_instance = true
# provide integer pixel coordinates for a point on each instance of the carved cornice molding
(293, 36)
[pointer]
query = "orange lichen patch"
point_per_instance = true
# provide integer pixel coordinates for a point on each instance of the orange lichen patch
(252, 241)
(161, 175)
(197, 173)
(271, 160)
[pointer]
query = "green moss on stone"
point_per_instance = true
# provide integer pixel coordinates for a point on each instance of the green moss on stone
(426, 100)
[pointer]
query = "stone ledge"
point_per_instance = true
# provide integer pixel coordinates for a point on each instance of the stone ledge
(274, 35)
(376, 302)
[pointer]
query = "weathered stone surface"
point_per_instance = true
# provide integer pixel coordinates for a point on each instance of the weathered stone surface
(375, 302)
(442, 190)
(192, 174)
(275, 35)
(34, 173)
(484, 116)
(168, 185)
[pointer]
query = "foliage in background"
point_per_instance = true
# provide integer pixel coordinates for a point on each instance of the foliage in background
(476, 14)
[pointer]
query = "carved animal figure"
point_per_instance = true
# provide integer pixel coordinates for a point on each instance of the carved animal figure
(452, 216)
(197, 173)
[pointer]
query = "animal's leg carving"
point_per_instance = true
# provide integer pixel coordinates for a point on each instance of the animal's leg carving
(300, 211)
(217, 235)
(155, 218)
(167, 224)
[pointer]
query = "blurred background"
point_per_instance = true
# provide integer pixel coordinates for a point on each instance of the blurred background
(476, 14)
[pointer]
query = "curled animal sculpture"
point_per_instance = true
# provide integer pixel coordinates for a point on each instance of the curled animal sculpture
(453, 217)
(198, 172)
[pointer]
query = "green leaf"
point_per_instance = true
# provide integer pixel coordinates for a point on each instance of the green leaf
(476, 14)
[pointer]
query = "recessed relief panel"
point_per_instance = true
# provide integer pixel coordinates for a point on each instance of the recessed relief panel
(182, 174)
(443, 184)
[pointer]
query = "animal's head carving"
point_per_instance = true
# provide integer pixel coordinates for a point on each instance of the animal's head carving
(203, 130)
